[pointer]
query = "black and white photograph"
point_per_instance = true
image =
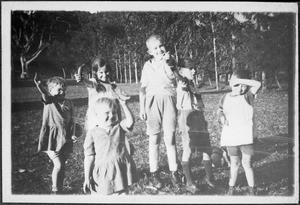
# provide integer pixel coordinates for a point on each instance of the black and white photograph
(177, 102)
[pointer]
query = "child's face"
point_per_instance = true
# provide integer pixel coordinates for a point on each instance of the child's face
(156, 48)
(238, 89)
(103, 74)
(106, 116)
(188, 73)
(57, 90)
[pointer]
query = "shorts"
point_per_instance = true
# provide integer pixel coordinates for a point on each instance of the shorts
(237, 150)
(196, 142)
(194, 133)
(161, 113)
(192, 121)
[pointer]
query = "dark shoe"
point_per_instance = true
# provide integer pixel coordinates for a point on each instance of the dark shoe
(192, 188)
(155, 180)
(251, 191)
(231, 190)
(175, 178)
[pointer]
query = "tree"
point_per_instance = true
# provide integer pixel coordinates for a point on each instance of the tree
(33, 32)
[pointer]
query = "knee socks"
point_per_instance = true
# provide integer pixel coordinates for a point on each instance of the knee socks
(187, 172)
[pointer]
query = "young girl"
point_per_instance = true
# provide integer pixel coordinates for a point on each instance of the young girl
(99, 86)
(236, 115)
(56, 132)
(192, 124)
(108, 165)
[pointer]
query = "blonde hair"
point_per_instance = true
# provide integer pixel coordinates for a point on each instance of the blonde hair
(152, 38)
(105, 101)
(56, 80)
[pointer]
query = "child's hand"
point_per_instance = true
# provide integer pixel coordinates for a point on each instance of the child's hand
(182, 85)
(167, 55)
(143, 115)
(78, 78)
(224, 121)
(36, 79)
(88, 185)
(74, 138)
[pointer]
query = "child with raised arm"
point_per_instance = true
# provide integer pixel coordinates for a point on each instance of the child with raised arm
(100, 85)
(158, 107)
(236, 115)
(108, 165)
(56, 133)
(192, 124)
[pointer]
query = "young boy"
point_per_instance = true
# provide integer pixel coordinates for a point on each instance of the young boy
(158, 107)
(192, 124)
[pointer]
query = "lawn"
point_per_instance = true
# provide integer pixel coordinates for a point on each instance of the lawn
(273, 162)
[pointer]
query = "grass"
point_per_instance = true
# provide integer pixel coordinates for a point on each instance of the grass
(273, 163)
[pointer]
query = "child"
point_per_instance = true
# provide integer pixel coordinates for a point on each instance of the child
(236, 115)
(192, 124)
(158, 108)
(108, 166)
(99, 86)
(56, 132)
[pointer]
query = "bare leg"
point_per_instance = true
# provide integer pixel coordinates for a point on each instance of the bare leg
(234, 167)
(169, 138)
(246, 162)
(154, 141)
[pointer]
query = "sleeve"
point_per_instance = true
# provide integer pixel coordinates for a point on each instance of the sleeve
(144, 77)
(123, 126)
(50, 99)
(88, 145)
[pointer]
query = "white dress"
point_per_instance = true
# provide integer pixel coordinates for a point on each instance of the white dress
(239, 114)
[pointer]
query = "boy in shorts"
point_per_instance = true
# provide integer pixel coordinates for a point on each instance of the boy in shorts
(192, 125)
(158, 107)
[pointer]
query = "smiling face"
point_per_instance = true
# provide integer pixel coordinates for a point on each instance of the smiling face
(103, 74)
(156, 48)
(106, 114)
(57, 90)
(188, 73)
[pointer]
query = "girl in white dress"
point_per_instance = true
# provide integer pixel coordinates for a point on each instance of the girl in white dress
(236, 115)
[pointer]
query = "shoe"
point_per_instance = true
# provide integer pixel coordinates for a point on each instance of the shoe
(251, 191)
(175, 178)
(155, 180)
(192, 188)
(231, 190)
(209, 182)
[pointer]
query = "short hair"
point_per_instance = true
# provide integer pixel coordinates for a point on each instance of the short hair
(241, 73)
(186, 62)
(154, 37)
(56, 80)
(105, 101)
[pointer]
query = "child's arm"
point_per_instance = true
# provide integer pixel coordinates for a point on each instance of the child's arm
(80, 78)
(39, 86)
(142, 96)
(254, 84)
(220, 113)
(128, 116)
(88, 163)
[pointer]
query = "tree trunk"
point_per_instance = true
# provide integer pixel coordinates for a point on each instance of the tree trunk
(264, 80)
(120, 69)
(135, 70)
(277, 81)
(129, 67)
(117, 73)
(24, 66)
(125, 72)
(215, 55)
(233, 51)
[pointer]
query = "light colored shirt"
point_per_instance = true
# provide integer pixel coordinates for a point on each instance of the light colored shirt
(239, 114)
(158, 78)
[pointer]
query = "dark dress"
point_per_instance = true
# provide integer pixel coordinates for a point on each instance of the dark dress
(55, 134)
